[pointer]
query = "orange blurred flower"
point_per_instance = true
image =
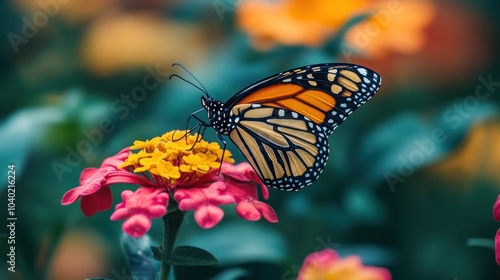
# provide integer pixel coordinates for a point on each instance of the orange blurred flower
(295, 22)
(396, 26)
(327, 265)
(447, 57)
(391, 25)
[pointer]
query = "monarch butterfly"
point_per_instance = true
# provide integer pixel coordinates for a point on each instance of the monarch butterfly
(281, 124)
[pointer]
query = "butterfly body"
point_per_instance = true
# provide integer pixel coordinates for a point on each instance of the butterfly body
(281, 124)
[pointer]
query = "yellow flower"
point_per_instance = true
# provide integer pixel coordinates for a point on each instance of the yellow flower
(138, 144)
(199, 162)
(150, 163)
(167, 170)
(133, 159)
(174, 154)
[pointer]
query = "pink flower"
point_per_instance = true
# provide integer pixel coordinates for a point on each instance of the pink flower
(496, 216)
(241, 180)
(182, 167)
(138, 208)
(238, 184)
(327, 265)
(205, 203)
(94, 184)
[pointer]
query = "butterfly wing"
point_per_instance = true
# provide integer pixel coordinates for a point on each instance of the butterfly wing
(283, 122)
(287, 150)
(324, 93)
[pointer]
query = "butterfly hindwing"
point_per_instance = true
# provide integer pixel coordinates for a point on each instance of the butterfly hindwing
(287, 150)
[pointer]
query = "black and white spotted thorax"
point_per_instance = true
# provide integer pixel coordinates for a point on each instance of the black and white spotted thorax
(219, 118)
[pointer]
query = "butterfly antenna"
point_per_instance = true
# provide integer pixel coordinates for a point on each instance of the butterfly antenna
(200, 87)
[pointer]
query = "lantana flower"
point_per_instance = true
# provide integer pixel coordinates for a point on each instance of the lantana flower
(175, 167)
(327, 265)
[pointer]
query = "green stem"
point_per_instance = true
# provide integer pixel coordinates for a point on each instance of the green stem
(172, 223)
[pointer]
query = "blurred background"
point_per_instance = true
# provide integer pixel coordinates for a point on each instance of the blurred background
(412, 177)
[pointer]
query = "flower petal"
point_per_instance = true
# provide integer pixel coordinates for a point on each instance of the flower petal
(137, 225)
(204, 201)
(247, 211)
(71, 196)
(207, 216)
(95, 202)
(326, 264)
(117, 159)
(497, 247)
(139, 208)
(496, 209)
(267, 211)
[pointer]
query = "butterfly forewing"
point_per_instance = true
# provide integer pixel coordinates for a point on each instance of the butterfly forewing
(325, 93)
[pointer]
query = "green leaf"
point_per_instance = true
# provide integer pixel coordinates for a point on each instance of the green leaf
(192, 256)
(156, 252)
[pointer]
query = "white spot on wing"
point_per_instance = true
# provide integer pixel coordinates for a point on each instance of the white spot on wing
(362, 71)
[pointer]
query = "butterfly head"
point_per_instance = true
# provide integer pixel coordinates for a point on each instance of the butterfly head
(217, 115)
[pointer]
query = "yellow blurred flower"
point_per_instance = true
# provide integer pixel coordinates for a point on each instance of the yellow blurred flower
(478, 158)
(126, 41)
(174, 154)
(71, 11)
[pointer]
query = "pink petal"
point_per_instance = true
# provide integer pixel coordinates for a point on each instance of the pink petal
(98, 201)
(496, 209)
(71, 196)
(87, 173)
(208, 216)
(157, 211)
(267, 211)
(125, 177)
(193, 198)
(120, 214)
(117, 159)
(144, 203)
(247, 211)
(137, 225)
(497, 247)
(322, 258)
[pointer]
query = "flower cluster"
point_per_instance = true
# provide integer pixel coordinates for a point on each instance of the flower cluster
(327, 265)
(174, 167)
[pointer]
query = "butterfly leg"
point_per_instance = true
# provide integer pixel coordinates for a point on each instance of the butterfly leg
(186, 123)
(224, 143)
